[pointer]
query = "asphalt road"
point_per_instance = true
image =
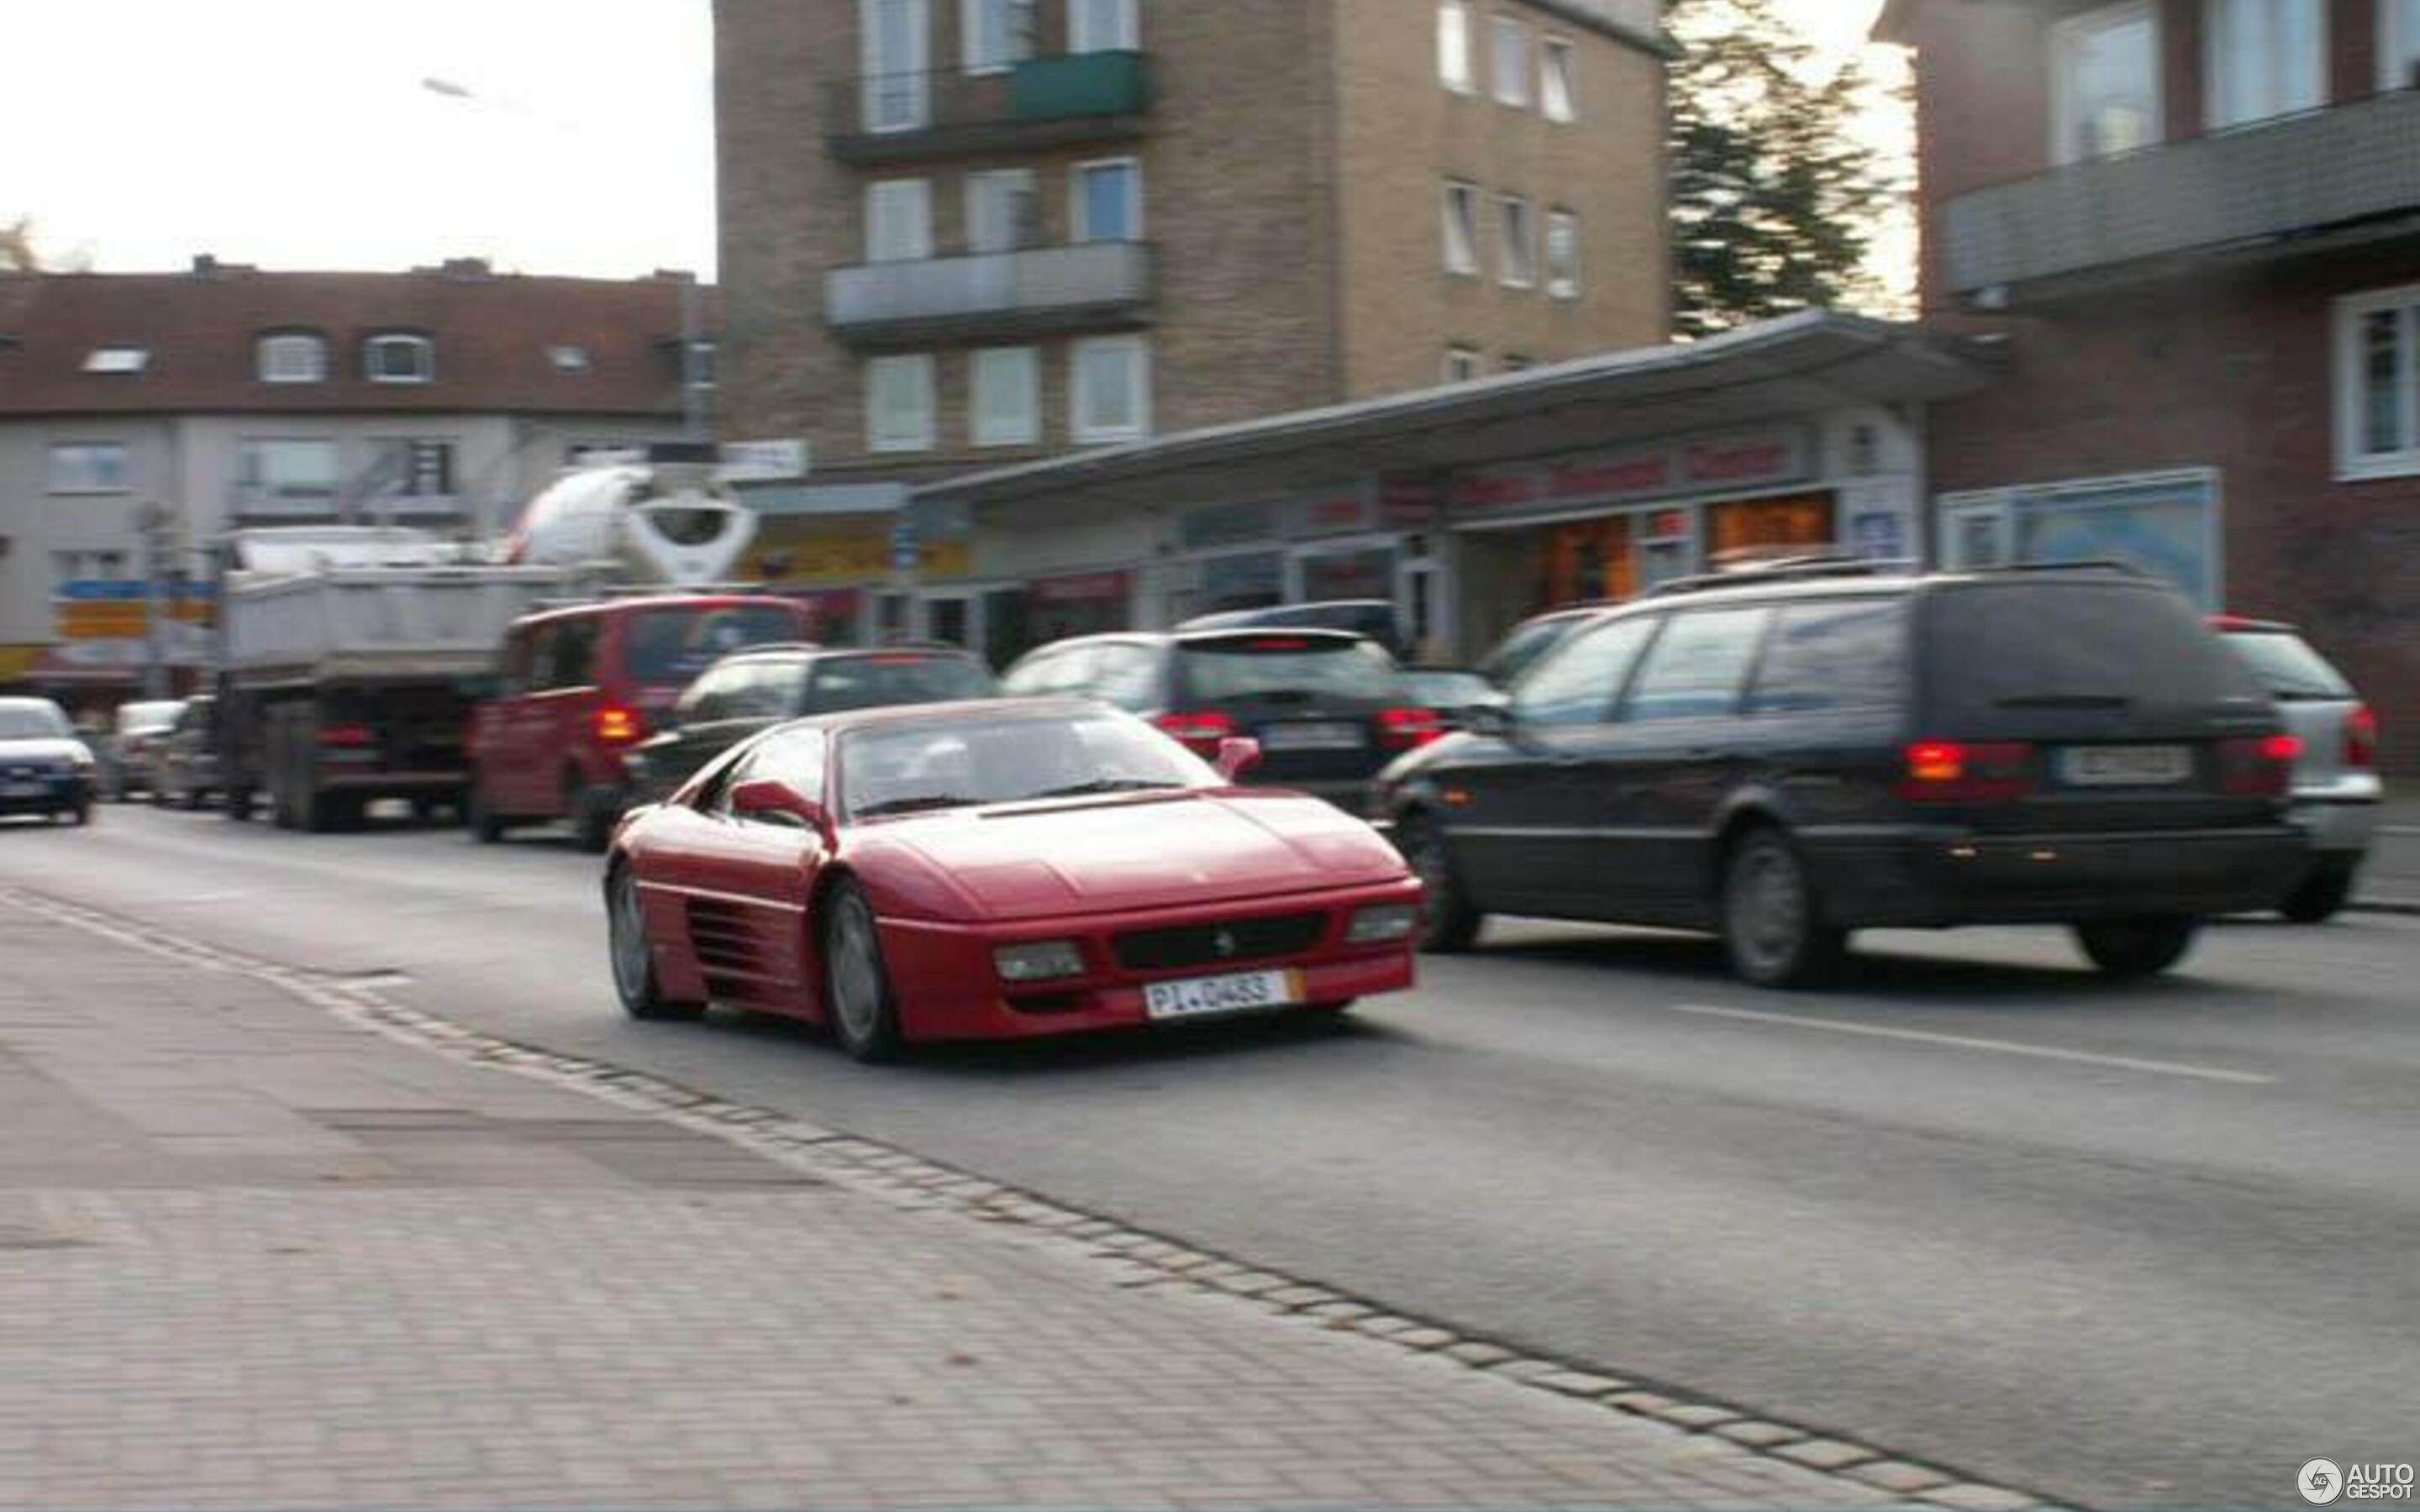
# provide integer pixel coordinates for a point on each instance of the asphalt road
(2147, 1245)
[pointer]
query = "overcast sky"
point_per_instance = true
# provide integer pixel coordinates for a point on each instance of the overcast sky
(297, 133)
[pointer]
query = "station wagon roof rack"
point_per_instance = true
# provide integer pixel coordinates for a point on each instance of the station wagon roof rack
(1786, 569)
(2125, 569)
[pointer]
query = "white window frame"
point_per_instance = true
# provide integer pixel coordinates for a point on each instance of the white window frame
(1080, 215)
(2066, 145)
(1513, 272)
(1466, 230)
(1079, 396)
(1027, 428)
(1461, 364)
(2399, 44)
(1514, 89)
(80, 455)
(1562, 284)
(425, 348)
(918, 365)
(2288, 95)
(977, 182)
(898, 205)
(1558, 88)
(971, 34)
(918, 65)
(1454, 47)
(2351, 385)
(270, 352)
(246, 473)
(1126, 36)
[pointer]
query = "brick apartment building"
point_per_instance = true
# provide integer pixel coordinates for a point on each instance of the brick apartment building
(2195, 225)
(141, 415)
(959, 235)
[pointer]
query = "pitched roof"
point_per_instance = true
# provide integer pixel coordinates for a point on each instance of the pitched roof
(491, 334)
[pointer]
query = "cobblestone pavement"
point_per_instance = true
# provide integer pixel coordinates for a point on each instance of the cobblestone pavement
(254, 1252)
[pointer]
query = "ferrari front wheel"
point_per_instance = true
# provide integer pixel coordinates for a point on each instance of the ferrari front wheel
(634, 963)
(858, 1001)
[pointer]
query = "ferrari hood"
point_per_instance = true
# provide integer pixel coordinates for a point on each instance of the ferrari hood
(1036, 862)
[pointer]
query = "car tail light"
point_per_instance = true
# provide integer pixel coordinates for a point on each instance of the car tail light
(1407, 729)
(619, 726)
(1952, 771)
(347, 737)
(2361, 739)
(1200, 733)
(2257, 766)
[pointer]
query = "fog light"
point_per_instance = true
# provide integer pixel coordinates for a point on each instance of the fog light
(1387, 922)
(1039, 961)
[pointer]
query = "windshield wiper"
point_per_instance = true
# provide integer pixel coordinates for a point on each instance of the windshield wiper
(1107, 784)
(921, 803)
(2063, 700)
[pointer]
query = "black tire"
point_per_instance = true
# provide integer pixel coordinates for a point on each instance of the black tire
(1774, 932)
(592, 814)
(2321, 896)
(629, 958)
(486, 825)
(1448, 923)
(858, 1001)
(2129, 947)
(76, 817)
(158, 797)
(238, 804)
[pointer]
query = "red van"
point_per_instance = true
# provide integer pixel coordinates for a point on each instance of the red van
(577, 686)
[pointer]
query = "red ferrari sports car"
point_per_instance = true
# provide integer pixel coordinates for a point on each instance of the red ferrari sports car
(1003, 868)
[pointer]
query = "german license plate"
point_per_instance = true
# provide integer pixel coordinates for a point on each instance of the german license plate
(1199, 997)
(1334, 734)
(25, 790)
(2117, 767)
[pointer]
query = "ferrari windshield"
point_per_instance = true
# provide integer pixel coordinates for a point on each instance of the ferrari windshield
(921, 765)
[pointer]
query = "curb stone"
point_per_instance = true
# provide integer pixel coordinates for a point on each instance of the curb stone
(1129, 1256)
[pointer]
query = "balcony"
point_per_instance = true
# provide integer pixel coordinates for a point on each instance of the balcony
(1040, 102)
(1099, 286)
(2236, 190)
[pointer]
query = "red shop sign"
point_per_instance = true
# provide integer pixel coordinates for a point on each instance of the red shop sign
(1083, 588)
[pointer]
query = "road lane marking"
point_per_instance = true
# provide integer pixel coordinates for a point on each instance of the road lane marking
(1962, 1042)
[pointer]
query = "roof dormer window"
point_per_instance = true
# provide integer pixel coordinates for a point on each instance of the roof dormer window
(118, 360)
(293, 357)
(398, 357)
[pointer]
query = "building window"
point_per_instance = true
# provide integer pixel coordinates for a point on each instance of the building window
(1003, 213)
(400, 359)
(1007, 400)
(1112, 390)
(2264, 59)
(1109, 200)
(1562, 255)
(1558, 96)
(891, 37)
(411, 469)
(118, 360)
(1511, 62)
(2105, 82)
(287, 468)
(88, 467)
(568, 359)
(1103, 26)
(899, 404)
(898, 220)
(997, 33)
(1461, 364)
(1519, 266)
(2399, 44)
(1453, 45)
(1518, 362)
(295, 357)
(703, 356)
(2378, 385)
(1461, 229)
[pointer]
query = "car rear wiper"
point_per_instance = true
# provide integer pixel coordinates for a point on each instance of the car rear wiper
(1107, 784)
(2063, 700)
(920, 803)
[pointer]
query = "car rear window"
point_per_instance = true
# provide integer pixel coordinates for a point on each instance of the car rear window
(887, 677)
(670, 646)
(2287, 667)
(1260, 666)
(2000, 650)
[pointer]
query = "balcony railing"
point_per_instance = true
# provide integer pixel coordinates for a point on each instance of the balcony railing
(2254, 184)
(1094, 285)
(257, 502)
(1073, 97)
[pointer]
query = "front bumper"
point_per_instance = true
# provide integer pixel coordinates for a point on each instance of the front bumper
(1937, 878)
(948, 987)
(49, 793)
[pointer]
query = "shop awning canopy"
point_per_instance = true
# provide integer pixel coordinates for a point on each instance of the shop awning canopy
(1797, 364)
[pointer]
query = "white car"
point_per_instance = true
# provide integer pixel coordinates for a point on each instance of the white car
(2337, 789)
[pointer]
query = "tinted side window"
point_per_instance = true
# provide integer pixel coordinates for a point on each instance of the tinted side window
(575, 655)
(1698, 665)
(708, 699)
(1034, 674)
(1577, 682)
(514, 672)
(1830, 657)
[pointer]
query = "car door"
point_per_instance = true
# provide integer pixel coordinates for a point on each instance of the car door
(1518, 805)
(503, 741)
(561, 715)
(742, 882)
